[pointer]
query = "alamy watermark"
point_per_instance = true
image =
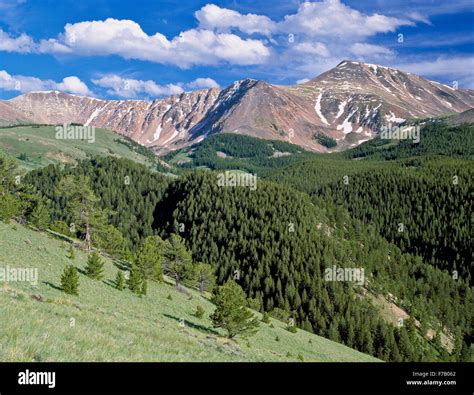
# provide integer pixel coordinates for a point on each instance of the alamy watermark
(232, 179)
(389, 132)
(350, 274)
(75, 132)
(19, 274)
(37, 378)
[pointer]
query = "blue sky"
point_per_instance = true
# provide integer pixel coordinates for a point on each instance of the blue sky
(152, 48)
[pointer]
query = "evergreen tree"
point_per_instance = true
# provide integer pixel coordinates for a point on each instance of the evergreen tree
(95, 266)
(135, 280)
(120, 281)
(204, 276)
(10, 204)
(149, 258)
(231, 312)
(404, 344)
(40, 216)
(82, 204)
(109, 239)
(70, 280)
(178, 260)
(266, 318)
(199, 313)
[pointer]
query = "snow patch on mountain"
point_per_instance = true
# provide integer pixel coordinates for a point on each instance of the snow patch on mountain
(317, 107)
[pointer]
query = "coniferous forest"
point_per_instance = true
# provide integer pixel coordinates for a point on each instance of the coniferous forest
(405, 218)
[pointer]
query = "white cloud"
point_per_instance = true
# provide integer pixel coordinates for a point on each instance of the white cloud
(319, 49)
(24, 84)
(220, 19)
(74, 85)
(331, 18)
(21, 44)
(202, 83)
(419, 17)
(327, 18)
(132, 88)
(322, 33)
(126, 38)
(457, 68)
(363, 49)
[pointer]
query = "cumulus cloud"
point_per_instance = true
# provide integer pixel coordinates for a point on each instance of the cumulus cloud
(202, 83)
(126, 38)
(322, 33)
(25, 84)
(131, 88)
(313, 38)
(331, 18)
(74, 85)
(216, 18)
(21, 44)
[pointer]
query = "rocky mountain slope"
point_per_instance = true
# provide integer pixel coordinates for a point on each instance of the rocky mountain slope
(348, 103)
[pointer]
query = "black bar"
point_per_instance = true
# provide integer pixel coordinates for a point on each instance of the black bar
(221, 378)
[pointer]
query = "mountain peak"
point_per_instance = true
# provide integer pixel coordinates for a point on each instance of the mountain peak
(368, 66)
(349, 103)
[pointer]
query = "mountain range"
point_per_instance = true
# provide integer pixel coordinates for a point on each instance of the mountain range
(347, 104)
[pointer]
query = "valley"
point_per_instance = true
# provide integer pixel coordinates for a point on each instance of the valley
(250, 205)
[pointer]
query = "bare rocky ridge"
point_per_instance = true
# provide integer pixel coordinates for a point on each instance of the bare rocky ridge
(348, 103)
(10, 115)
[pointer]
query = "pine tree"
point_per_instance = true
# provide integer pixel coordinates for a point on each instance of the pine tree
(178, 261)
(149, 258)
(266, 318)
(95, 266)
(135, 280)
(120, 281)
(40, 216)
(231, 312)
(70, 280)
(10, 204)
(204, 276)
(82, 204)
(199, 312)
(404, 344)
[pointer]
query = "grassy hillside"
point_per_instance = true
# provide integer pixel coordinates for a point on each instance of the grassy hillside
(112, 325)
(36, 146)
